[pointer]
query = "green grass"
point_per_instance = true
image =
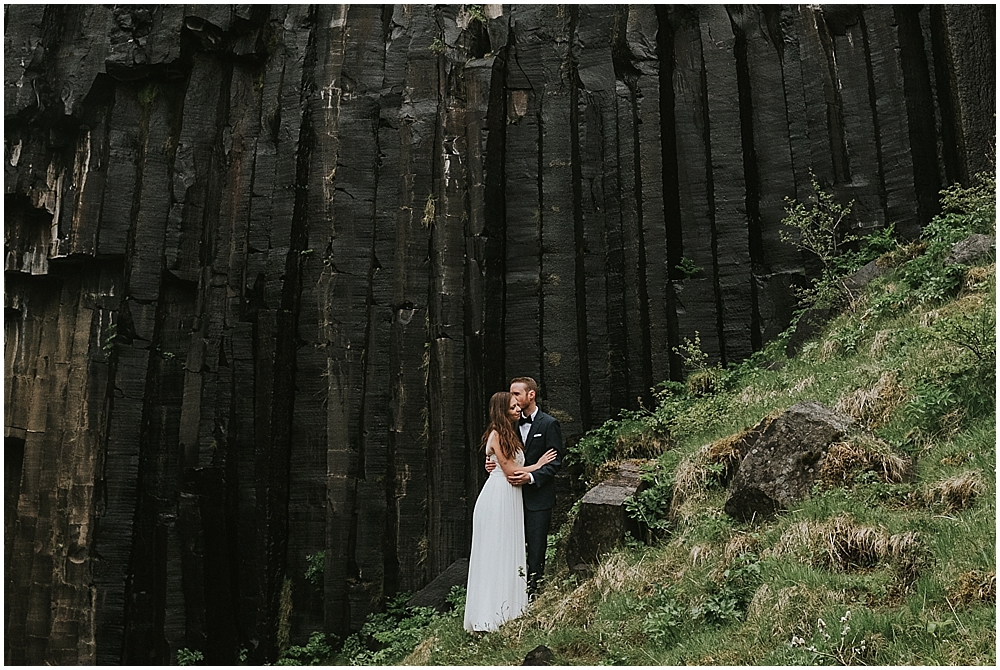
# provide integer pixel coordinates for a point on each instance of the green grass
(913, 360)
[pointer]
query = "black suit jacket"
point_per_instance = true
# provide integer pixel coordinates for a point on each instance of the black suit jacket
(545, 434)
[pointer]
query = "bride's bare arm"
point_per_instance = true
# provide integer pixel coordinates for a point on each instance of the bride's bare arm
(508, 465)
(544, 459)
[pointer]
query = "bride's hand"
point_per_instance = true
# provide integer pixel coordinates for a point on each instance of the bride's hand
(548, 457)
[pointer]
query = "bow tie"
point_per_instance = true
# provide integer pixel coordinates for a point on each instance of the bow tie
(523, 420)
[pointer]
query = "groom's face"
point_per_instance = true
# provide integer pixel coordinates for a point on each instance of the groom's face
(524, 397)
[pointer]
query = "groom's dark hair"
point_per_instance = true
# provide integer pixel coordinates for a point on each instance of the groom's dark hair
(529, 383)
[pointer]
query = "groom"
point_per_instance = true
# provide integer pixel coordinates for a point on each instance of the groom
(539, 433)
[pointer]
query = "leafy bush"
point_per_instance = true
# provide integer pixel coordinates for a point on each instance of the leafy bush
(316, 651)
(476, 13)
(635, 434)
(314, 568)
(188, 657)
(965, 211)
(821, 225)
(718, 608)
(665, 622)
(879, 243)
(688, 267)
(975, 332)
(977, 202)
(651, 503)
(742, 577)
(456, 598)
(386, 638)
(437, 48)
(821, 228)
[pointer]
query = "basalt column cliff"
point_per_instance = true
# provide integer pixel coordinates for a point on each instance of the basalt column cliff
(264, 266)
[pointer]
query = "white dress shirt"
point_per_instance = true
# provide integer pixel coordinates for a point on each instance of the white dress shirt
(525, 429)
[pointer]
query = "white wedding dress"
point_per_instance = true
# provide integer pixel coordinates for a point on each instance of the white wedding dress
(497, 588)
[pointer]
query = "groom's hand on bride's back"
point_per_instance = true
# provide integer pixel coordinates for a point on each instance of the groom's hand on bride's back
(490, 464)
(519, 479)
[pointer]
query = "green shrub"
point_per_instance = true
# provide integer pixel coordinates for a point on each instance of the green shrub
(976, 202)
(437, 48)
(665, 622)
(386, 638)
(688, 268)
(975, 332)
(314, 568)
(477, 14)
(316, 651)
(821, 225)
(635, 434)
(821, 228)
(189, 657)
(651, 503)
(456, 598)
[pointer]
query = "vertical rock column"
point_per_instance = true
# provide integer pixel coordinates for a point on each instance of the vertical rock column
(449, 533)
(594, 119)
(525, 86)
(558, 144)
(697, 306)
(728, 189)
(964, 47)
(483, 125)
(353, 310)
(317, 389)
(767, 48)
(416, 76)
(226, 311)
(49, 522)
(650, 236)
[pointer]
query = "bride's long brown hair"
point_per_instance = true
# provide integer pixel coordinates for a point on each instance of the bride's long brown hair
(500, 421)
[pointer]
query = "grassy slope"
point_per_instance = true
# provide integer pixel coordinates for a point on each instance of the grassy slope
(870, 569)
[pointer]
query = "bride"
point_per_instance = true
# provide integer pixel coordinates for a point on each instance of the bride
(497, 588)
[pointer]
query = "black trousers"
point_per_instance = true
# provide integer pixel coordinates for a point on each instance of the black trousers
(536, 533)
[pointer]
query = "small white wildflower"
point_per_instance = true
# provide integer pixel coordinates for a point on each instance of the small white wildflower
(845, 631)
(821, 623)
(846, 617)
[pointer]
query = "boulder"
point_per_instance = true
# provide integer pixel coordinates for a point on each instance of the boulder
(861, 277)
(808, 325)
(972, 249)
(781, 465)
(436, 593)
(602, 520)
(540, 655)
(814, 318)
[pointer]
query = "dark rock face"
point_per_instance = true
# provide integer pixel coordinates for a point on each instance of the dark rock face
(602, 520)
(972, 249)
(782, 464)
(436, 593)
(264, 265)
